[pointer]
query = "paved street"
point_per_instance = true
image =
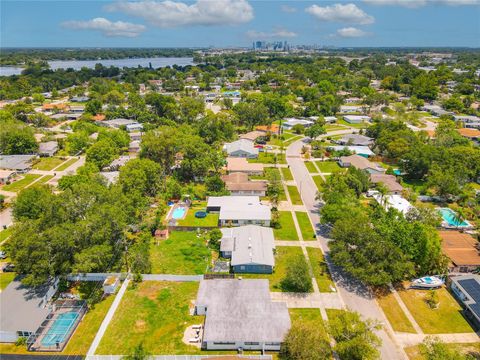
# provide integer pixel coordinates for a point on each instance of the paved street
(355, 296)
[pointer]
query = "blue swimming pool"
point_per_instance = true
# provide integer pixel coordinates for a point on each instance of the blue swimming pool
(60, 329)
(449, 216)
(179, 213)
(397, 172)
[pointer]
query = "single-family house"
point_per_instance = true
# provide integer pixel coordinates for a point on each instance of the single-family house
(462, 249)
(364, 151)
(116, 123)
(356, 119)
(241, 148)
(392, 202)
(252, 135)
(110, 176)
(77, 109)
(117, 163)
(435, 110)
(472, 134)
(355, 139)
(351, 109)
(48, 148)
(241, 314)
(242, 165)
(6, 176)
(251, 249)
(389, 181)
(134, 127)
(330, 119)
(290, 123)
(79, 99)
(18, 163)
(238, 184)
(239, 210)
(272, 129)
(24, 309)
(360, 163)
(467, 290)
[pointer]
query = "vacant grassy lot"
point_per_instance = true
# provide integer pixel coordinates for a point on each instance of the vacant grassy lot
(67, 164)
(311, 167)
(414, 352)
(287, 174)
(394, 313)
(269, 158)
(287, 230)
(211, 220)
(305, 226)
(328, 167)
(182, 253)
(318, 181)
(447, 318)
(155, 313)
(22, 183)
(320, 269)
(48, 163)
(5, 279)
(294, 195)
(285, 254)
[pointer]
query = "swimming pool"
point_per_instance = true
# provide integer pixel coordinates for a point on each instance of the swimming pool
(397, 172)
(178, 213)
(60, 329)
(449, 216)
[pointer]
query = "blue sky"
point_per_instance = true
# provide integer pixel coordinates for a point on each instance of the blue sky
(174, 23)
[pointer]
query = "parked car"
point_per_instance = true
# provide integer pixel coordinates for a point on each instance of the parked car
(8, 267)
(258, 146)
(3, 255)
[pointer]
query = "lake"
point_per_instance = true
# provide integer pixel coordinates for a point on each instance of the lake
(78, 64)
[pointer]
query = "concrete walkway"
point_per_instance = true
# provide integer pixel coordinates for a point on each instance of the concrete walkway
(408, 339)
(409, 316)
(108, 318)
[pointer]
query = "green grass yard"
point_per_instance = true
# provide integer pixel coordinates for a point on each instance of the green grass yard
(269, 158)
(320, 270)
(294, 195)
(394, 313)
(182, 253)
(414, 352)
(44, 180)
(67, 164)
(305, 225)
(156, 314)
(447, 318)
(318, 181)
(311, 167)
(287, 230)
(211, 220)
(4, 234)
(22, 183)
(328, 167)
(362, 125)
(302, 315)
(48, 163)
(283, 257)
(287, 174)
(6, 278)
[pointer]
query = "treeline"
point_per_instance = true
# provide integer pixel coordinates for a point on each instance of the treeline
(20, 56)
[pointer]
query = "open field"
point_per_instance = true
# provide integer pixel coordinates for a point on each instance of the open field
(320, 270)
(287, 230)
(305, 226)
(447, 318)
(48, 163)
(394, 313)
(183, 253)
(20, 184)
(294, 195)
(211, 220)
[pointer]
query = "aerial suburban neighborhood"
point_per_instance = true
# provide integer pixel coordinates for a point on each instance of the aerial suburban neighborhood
(250, 199)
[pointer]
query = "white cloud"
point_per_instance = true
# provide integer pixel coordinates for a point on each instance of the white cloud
(107, 27)
(351, 32)
(348, 13)
(420, 3)
(278, 33)
(288, 9)
(169, 14)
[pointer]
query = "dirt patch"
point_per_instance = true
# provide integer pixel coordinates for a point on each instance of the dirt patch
(140, 326)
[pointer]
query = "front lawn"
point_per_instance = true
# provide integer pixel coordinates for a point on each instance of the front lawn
(328, 167)
(211, 220)
(6, 278)
(318, 180)
(414, 352)
(362, 125)
(294, 195)
(287, 230)
(155, 314)
(305, 226)
(48, 163)
(182, 253)
(5, 234)
(20, 184)
(320, 269)
(302, 315)
(311, 167)
(447, 318)
(67, 164)
(269, 158)
(394, 313)
(44, 180)
(283, 257)
(287, 174)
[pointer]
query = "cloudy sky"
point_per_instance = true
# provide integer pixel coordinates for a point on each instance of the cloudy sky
(180, 23)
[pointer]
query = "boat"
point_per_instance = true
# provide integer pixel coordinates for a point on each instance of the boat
(427, 282)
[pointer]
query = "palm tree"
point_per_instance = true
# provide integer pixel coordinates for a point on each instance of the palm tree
(383, 191)
(458, 218)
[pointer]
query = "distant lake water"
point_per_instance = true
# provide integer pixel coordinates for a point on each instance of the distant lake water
(78, 64)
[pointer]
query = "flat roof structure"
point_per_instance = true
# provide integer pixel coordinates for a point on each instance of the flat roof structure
(393, 201)
(16, 162)
(239, 207)
(242, 311)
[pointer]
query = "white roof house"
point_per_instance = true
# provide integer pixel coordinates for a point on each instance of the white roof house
(356, 119)
(359, 150)
(241, 148)
(241, 314)
(393, 201)
(249, 245)
(239, 210)
(290, 123)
